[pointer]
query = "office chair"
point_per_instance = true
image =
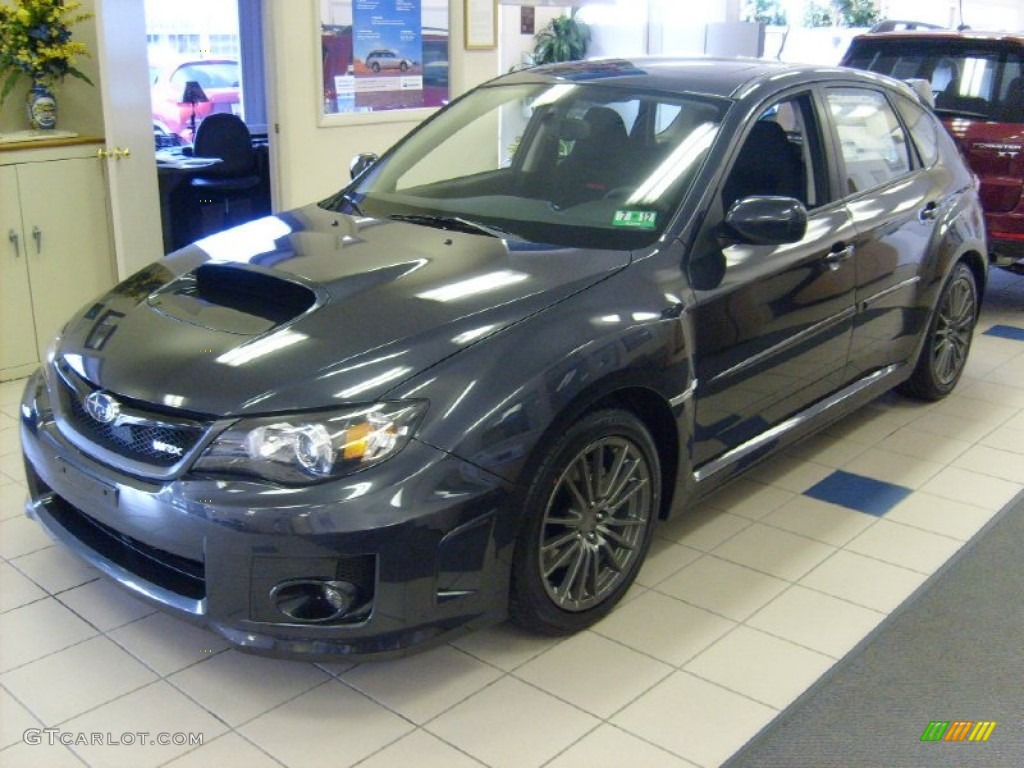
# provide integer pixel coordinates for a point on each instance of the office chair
(225, 136)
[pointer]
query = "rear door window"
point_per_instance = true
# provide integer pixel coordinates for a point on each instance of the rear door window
(873, 143)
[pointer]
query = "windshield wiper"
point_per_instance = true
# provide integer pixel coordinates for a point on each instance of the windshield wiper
(333, 203)
(453, 223)
(351, 201)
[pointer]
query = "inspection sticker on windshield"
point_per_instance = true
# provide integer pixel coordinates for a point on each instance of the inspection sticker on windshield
(635, 219)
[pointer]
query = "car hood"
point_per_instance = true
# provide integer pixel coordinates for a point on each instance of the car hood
(311, 309)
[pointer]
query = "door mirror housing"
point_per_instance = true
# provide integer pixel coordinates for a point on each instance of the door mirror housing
(360, 163)
(765, 220)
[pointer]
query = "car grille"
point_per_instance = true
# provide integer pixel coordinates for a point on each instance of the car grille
(143, 435)
(171, 572)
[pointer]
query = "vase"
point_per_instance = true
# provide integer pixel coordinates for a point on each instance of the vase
(42, 107)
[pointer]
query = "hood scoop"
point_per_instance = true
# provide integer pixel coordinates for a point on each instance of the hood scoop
(233, 299)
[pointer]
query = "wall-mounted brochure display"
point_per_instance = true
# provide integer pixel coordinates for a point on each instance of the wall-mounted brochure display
(383, 56)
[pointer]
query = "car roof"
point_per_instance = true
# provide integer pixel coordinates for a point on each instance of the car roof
(725, 77)
(948, 35)
(166, 66)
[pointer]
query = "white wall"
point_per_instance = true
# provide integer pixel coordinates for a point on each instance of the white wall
(512, 43)
(310, 160)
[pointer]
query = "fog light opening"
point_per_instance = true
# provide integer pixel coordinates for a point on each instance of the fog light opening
(313, 601)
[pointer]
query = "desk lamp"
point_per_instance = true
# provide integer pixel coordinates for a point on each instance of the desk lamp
(193, 95)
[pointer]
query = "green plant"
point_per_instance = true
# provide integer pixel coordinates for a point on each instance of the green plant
(841, 13)
(765, 11)
(35, 41)
(818, 14)
(856, 13)
(565, 38)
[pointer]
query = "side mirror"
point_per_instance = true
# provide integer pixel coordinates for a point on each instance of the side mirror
(360, 163)
(765, 221)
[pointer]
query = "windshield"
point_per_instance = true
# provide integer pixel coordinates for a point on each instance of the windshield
(969, 79)
(567, 164)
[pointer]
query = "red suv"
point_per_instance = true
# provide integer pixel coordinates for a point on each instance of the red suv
(977, 80)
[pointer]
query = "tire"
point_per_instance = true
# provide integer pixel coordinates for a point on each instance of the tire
(944, 354)
(588, 518)
(375, 67)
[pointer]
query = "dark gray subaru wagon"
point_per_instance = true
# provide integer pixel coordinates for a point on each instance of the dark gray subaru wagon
(470, 384)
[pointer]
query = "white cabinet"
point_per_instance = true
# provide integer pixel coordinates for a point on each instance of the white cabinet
(55, 244)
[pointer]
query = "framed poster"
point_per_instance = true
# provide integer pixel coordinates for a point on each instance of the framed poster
(527, 23)
(382, 60)
(481, 20)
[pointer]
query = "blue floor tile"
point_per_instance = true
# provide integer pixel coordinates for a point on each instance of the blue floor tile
(1005, 332)
(865, 494)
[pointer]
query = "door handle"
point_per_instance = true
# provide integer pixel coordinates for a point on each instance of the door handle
(930, 211)
(16, 242)
(37, 235)
(102, 154)
(122, 154)
(838, 255)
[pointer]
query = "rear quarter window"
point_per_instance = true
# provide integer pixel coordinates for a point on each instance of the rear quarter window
(924, 130)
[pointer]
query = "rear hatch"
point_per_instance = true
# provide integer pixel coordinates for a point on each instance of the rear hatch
(995, 151)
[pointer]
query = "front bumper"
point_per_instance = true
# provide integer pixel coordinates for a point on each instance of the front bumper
(420, 541)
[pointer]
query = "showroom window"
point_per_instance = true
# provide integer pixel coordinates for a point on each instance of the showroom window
(215, 43)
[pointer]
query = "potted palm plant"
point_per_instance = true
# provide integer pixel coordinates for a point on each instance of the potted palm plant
(565, 38)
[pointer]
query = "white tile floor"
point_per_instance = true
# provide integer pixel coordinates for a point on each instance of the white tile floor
(739, 608)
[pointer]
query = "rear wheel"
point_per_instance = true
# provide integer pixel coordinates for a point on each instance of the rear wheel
(589, 514)
(944, 354)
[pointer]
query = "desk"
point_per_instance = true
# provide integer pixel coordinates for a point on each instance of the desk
(180, 219)
(173, 171)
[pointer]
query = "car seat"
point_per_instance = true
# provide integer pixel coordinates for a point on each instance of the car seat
(768, 164)
(599, 160)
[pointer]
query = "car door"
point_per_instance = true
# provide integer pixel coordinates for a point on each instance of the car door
(773, 334)
(894, 202)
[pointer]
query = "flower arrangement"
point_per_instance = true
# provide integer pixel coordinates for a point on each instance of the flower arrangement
(35, 40)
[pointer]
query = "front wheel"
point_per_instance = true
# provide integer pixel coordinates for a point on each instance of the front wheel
(589, 515)
(944, 355)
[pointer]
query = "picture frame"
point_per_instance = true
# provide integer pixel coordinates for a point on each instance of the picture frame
(481, 24)
(381, 62)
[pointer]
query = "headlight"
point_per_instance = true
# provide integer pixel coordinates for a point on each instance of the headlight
(311, 447)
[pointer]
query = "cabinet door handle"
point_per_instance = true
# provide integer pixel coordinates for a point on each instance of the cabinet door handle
(37, 235)
(15, 241)
(122, 154)
(102, 154)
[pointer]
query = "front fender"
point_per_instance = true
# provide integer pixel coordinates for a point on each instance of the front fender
(493, 403)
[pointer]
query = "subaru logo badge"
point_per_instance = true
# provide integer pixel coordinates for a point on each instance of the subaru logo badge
(102, 407)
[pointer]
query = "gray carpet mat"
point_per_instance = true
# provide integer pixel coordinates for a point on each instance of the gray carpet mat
(952, 653)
